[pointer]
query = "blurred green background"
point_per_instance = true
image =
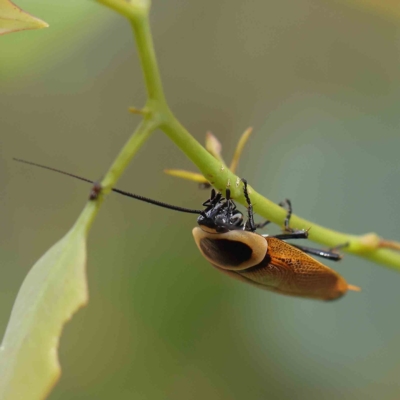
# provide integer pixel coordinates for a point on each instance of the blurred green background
(319, 80)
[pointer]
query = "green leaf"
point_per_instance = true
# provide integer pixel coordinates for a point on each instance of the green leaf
(54, 289)
(13, 19)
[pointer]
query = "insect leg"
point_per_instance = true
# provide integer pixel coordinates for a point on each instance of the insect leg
(228, 199)
(261, 225)
(329, 255)
(290, 235)
(338, 247)
(250, 225)
(298, 234)
(288, 203)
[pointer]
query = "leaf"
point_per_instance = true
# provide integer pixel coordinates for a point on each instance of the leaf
(13, 19)
(54, 289)
(239, 148)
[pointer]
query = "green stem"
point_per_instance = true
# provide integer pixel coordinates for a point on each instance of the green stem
(142, 133)
(213, 170)
(88, 215)
(147, 55)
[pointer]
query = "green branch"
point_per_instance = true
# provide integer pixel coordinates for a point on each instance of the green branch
(142, 133)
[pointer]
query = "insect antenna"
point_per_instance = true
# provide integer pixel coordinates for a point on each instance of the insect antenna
(123, 192)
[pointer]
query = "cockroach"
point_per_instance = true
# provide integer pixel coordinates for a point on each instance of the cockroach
(231, 245)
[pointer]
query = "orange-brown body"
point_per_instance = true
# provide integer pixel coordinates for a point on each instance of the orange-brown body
(270, 264)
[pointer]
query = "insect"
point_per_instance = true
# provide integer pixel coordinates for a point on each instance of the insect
(232, 245)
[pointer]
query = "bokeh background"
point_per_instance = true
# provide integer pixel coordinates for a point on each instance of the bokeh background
(319, 81)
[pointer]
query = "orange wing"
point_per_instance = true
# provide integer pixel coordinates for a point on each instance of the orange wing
(288, 270)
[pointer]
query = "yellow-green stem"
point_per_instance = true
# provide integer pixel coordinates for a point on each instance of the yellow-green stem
(142, 133)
